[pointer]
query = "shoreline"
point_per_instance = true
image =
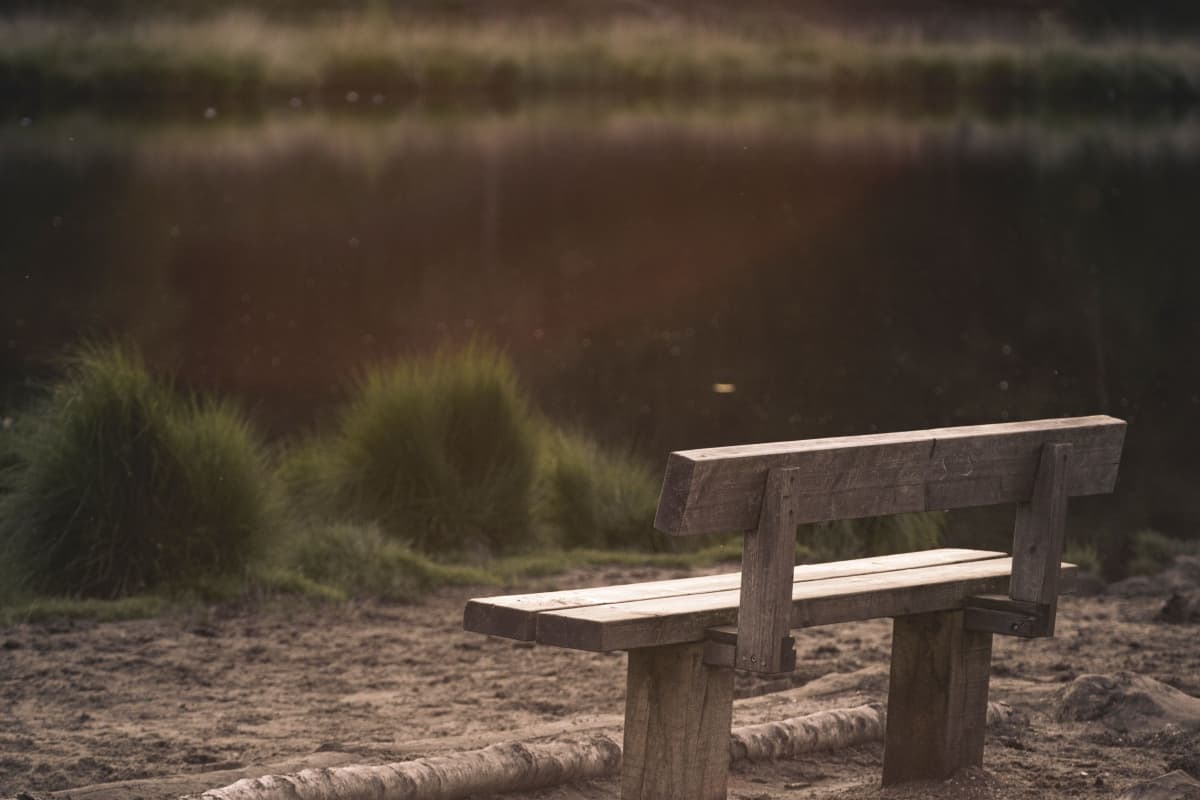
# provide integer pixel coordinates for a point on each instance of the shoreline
(245, 61)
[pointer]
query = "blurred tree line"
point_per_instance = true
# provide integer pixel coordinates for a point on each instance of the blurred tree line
(1103, 16)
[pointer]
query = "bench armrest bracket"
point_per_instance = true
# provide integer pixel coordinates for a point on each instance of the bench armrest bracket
(1003, 615)
(721, 647)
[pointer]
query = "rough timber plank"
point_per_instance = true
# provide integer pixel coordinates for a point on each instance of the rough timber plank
(1039, 532)
(720, 489)
(650, 623)
(937, 697)
(513, 616)
(678, 713)
(768, 557)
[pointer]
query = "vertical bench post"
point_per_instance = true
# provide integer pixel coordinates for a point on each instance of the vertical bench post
(768, 556)
(678, 714)
(1038, 537)
(937, 697)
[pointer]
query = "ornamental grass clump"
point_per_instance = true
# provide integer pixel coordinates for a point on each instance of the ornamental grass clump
(117, 485)
(593, 497)
(440, 452)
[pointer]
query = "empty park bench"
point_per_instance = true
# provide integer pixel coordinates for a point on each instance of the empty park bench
(686, 636)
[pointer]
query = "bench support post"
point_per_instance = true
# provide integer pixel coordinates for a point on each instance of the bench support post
(768, 556)
(1039, 533)
(678, 714)
(937, 697)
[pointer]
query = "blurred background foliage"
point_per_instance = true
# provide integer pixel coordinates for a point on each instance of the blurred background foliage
(119, 485)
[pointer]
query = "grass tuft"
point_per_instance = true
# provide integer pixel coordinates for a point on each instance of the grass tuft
(593, 497)
(440, 453)
(116, 486)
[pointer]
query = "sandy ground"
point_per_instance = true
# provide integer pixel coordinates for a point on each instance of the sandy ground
(156, 708)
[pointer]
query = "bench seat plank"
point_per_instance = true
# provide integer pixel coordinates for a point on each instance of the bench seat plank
(672, 620)
(514, 616)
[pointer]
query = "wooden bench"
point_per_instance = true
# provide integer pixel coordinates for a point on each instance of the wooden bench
(685, 637)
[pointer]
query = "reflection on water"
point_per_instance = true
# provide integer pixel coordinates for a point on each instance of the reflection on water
(682, 279)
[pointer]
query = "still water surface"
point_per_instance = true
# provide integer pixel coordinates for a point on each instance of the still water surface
(663, 279)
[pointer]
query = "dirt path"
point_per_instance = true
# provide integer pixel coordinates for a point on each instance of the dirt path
(192, 701)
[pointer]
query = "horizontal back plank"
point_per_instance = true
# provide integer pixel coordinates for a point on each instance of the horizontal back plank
(512, 616)
(720, 489)
(673, 620)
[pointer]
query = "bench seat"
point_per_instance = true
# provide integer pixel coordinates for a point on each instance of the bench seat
(669, 612)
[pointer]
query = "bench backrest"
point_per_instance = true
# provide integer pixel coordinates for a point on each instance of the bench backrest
(720, 489)
(766, 490)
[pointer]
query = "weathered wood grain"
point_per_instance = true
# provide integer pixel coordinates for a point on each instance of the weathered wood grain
(678, 716)
(937, 697)
(513, 616)
(671, 620)
(768, 557)
(1039, 532)
(721, 489)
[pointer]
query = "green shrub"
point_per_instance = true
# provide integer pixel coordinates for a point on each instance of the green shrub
(119, 486)
(592, 497)
(441, 453)
(873, 536)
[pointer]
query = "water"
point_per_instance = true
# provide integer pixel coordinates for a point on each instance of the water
(663, 278)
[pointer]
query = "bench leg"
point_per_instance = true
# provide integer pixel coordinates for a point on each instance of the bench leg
(937, 698)
(678, 715)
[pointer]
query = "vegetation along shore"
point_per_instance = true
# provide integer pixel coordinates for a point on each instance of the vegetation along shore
(244, 59)
(121, 494)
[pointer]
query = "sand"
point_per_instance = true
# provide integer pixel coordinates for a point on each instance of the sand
(156, 708)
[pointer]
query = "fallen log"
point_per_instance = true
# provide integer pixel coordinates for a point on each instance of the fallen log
(824, 730)
(504, 767)
(514, 766)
